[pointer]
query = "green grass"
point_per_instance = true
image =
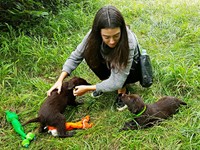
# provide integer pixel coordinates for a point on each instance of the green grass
(30, 64)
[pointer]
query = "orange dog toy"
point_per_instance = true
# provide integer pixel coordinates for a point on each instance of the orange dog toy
(83, 124)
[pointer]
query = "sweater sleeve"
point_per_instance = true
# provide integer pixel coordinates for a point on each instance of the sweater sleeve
(118, 78)
(76, 56)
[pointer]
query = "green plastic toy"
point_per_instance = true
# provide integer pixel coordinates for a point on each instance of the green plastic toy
(14, 120)
(29, 137)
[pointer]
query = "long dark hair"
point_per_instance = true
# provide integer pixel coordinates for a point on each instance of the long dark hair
(107, 17)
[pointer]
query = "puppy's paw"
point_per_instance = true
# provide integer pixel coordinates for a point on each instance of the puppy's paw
(68, 134)
(80, 102)
(123, 129)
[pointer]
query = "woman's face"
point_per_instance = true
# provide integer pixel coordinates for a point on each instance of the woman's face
(111, 36)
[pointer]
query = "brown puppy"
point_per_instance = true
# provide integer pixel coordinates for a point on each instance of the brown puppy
(147, 115)
(51, 110)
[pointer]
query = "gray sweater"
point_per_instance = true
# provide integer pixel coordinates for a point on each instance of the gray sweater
(117, 78)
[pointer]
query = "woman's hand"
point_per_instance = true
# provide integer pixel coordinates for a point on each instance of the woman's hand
(82, 89)
(57, 85)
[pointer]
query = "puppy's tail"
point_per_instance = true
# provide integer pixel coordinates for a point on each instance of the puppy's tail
(182, 102)
(32, 120)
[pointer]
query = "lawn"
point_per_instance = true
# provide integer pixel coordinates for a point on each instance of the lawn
(30, 64)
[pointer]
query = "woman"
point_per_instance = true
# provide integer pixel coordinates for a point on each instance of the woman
(111, 51)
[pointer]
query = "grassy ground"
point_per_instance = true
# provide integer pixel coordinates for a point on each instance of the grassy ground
(170, 32)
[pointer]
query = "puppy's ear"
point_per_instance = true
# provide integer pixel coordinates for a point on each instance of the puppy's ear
(137, 104)
(72, 83)
(71, 86)
(67, 86)
(134, 109)
(75, 81)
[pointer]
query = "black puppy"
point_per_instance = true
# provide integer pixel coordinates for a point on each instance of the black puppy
(146, 115)
(51, 111)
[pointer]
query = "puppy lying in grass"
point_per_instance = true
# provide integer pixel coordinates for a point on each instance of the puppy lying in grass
(51, 111)
(146, 115)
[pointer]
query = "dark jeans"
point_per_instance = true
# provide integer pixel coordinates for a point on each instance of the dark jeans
(135, 74)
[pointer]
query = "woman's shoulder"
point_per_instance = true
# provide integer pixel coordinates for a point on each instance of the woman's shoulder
(132, 39)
